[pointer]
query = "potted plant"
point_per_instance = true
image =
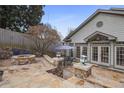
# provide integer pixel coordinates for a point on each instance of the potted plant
(1, 74)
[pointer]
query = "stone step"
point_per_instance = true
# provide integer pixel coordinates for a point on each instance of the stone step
(91, 85)
(104, 73)
(82, 83)
(76, 80)
(105, 83)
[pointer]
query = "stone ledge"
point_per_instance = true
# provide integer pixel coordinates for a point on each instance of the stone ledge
(80, 66)
(49, 59)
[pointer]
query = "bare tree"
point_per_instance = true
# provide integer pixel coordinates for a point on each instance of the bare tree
(44, 37)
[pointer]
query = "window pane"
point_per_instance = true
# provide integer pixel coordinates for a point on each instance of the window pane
(104, 54)
(84, 51)
(78, 52)
(120, 56)
(95, 53)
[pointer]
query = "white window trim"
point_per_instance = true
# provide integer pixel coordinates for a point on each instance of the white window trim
(91, 55)
(81, 49)
(99, 56)
(76, 51)
(115, 63)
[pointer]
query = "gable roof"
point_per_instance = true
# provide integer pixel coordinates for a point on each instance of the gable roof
(115, 11)
(110, 37)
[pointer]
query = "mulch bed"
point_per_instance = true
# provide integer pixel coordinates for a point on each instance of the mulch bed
(56, 71)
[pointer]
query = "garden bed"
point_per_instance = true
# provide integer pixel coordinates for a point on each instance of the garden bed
(56, 72)
(64, 73)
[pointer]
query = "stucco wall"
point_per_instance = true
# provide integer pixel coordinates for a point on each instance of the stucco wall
(112, 24)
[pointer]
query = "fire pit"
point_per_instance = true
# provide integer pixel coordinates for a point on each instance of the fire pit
(23, 59)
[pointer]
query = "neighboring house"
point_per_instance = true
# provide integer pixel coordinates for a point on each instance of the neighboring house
(100, 38)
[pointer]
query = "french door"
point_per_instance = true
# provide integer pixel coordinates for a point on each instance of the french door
(119, 57)
(100, 55)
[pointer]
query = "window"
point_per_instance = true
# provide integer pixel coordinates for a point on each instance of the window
(105, 54)
(78, 52)
(95, 53)
(99, 24)
(84, 51)
(120, 56)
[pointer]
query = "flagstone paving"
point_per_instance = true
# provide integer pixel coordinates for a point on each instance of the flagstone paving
(35, 76)
(32, 75)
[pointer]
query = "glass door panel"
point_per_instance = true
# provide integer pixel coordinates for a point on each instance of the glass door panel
(120, 56)
(105, 54)
(95, 54)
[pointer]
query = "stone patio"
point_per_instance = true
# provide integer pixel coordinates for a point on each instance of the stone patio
(32, 76)
(35, 76)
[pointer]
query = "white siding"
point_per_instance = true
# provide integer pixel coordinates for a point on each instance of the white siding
(112, 24)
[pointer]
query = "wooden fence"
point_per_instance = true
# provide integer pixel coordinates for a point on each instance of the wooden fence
(15, 39)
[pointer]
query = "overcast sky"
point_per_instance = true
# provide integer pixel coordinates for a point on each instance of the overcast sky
(66, 17)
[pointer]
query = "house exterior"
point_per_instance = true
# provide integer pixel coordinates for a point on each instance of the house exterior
(100, 38)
